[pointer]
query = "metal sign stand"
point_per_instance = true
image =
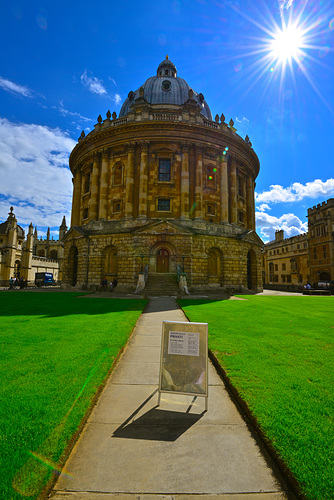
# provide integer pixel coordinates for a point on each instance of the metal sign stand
(184, 359)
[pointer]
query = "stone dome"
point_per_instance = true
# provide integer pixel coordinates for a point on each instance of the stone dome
(166, 88)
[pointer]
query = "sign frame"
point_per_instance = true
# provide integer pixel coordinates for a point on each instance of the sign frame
(184, 359)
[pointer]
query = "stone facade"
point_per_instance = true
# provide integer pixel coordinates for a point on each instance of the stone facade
(286, 261)
(321, 241)
(22, 257)
(163, 187)
(309, 257)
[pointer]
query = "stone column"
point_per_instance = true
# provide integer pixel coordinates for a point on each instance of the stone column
(104, 186)
(253, 206)
(233, 191)
(27, 253)
(223, 189)
(198, 182)
(185, 182)
(94, 190)
(249, 203)
(12, 244)
(129, 193)
(142, 206)
(76, 204)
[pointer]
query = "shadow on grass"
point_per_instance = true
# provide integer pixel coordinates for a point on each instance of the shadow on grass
(57, 304)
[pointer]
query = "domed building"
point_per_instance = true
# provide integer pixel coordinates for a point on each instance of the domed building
(163, 190)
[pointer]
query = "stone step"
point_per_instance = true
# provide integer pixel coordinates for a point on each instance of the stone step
(161, 284)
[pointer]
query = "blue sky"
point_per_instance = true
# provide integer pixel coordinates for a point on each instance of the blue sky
(64, 63)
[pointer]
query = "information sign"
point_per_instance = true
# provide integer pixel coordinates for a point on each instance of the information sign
(184, 358)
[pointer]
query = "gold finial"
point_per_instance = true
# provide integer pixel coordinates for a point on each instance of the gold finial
(167, 58)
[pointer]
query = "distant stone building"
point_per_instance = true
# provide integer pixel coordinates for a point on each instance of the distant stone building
(286, 261)
(22, 257)
(321, 241)
(166, 189)
(289, 263)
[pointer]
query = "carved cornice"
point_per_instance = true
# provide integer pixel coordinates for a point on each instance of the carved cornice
(193, 134)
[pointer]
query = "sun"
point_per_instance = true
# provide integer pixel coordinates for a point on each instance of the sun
(287, 44)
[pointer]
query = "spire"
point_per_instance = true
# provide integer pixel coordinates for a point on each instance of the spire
(63, 224)
(62, 228)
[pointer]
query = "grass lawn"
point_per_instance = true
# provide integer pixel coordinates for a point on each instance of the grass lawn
(278, 353)
(55, 351)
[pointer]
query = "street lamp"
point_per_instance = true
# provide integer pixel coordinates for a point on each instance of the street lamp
(142, 258)
(183, 257)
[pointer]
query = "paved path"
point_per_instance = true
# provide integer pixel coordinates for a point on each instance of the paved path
(130, 448)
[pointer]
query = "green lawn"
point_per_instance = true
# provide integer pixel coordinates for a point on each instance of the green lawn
(55, 351)
(278, 353)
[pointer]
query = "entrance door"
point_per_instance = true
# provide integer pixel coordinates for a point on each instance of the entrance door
(162, 261)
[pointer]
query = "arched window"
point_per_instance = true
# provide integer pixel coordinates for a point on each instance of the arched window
(164, 170)
(73, 265)
(118, 174)
(54, 254)
(211, 175)
(41, 253)
(87, 183)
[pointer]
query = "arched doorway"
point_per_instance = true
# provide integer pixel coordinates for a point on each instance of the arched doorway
(215, 266)
(73, 265)
(324, 276)
(110, 262)
(162, 261)
(17, 269)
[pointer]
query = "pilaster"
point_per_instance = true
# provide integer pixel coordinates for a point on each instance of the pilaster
(223, 189)
(94, 190)
(142, 206)
(104, 185)
(198, 182)
(233, 191)
(185, 181)
(250, 203)
(129, 193)
(76, 204)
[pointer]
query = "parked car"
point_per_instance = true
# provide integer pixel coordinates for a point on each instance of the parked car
(326, 285)
(44, 279)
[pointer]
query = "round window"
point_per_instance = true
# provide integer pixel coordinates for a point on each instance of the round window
(166, 85)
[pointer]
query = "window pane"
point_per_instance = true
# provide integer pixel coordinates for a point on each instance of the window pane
(164, 205)
(164, 170)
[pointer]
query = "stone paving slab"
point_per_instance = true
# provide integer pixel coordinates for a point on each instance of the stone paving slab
(131, 448)
(73, 495)
(119, 402)
(168, 459)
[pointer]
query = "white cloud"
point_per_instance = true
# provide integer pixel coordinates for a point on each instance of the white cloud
(93, 84)
(284, 4)
(117, 98)
(14, 88)
(264, 207)
(296, 192)
(35, 177)
(66, 112)
(267, 225)
(242, 120)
